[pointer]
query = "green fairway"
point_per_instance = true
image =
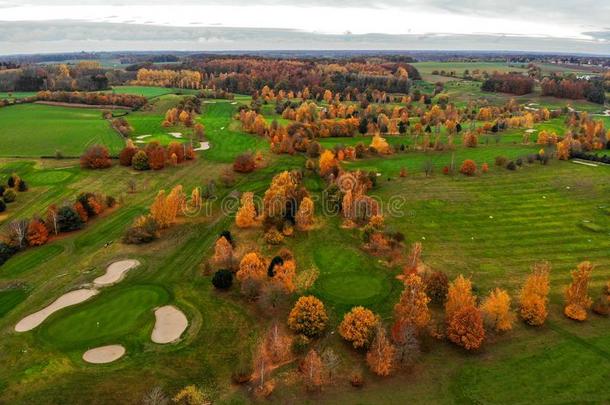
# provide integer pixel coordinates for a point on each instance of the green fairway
(105, 319)
(29, 259)
(10, 298)
(16, 94)
(150, 92)
(35, 130)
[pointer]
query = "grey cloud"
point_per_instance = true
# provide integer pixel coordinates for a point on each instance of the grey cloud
(69, 36)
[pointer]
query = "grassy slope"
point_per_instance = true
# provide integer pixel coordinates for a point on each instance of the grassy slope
(35, 130)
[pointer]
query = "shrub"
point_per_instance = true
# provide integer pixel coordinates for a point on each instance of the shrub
(96, 157)
(308, 316)
(2, 190)
(126, 155)
(274, 237)
(511, 166)
(2, 206)
(437, 285)
(244, 163)
(601, 306)
(484, 168)
(469, 167)
(10, 195)
(356, 378)
(501, 161)
(144, 230)
(22, 186)
(300, 344)
(222, 279)
(6, 251)
(140, 161)
(68, 219)
(519, 162)
(110, 201)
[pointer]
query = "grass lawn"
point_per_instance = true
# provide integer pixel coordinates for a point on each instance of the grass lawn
(150, 92)
(10, 298)
(33, 130)
(16, 94)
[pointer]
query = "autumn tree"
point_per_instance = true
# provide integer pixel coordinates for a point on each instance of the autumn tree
(165, 208)
(533, 298)
(223, 253)
(191, 395)
(96, 157)
(465, 328)
(412, 308)
(252, 266)
(358, 326)
(37, 233)
(313, 370)
(437, 286)
(304, 216)
(577, 297)
(380, 356)
(407, 345)
(497, 312)
(459, 296)
(246, 215)
(308, 316)
(328, 163)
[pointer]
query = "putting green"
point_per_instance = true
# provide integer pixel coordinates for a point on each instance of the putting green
(107, 318)
(10, 298)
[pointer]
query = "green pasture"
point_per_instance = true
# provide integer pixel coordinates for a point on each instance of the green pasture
(34, 130)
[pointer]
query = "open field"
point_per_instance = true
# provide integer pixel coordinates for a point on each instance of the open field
(491, 227)
(34, 130)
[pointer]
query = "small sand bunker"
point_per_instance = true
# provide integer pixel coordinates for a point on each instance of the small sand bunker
(66, 300)
(142, 136)
(170, 323)
(530, 131)
(115, 272)
(140, 141)
(203, 146)
(104, 354)
(176, 134)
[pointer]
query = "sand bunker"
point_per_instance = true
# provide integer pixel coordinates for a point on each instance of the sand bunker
(104, 354)
(203, 146)
(66, 300)
(115, 272)
(176, 134)
(170, 323)
(142, 136)
(530, 131)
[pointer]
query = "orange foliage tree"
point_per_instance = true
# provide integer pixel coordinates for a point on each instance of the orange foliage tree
(308, 316)
(37, 233)
(534, 295)
(380, 357)
(223, 253)
(252, 266)
(497, 312)
(358, 326)
(465, 328)
(577, 297)
(412, 308)
(313, 370)
(304, 215)
(165, 209)
(328, 163)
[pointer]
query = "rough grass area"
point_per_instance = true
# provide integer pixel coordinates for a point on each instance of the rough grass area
(34, 130)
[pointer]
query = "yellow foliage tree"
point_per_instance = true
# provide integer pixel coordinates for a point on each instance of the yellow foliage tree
(223, 253)
(380, 357)
(380, 144)
(327, 162)
(308, 316)
(534, 295)
(577, 297)
(246, 215)
(459, 296)
(253, 266)
(496, 310)
(358, 326)
(304, 215)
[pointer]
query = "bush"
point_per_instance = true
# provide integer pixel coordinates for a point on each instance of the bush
(222, 279)
(96, 157)
(68, 219)
(2, 206)
(6, 251)
(469, 167)
(110, 201)
(144, 230)
(501, 161)
(356, 378)
(300, 344)
(484, 167)
(244, 163)
(437, 285)
(140, 161)
(511, 166)
(274, 237)
(126, 155)
(519, 162)
(10, 195)
(2, 190)
(22, 186)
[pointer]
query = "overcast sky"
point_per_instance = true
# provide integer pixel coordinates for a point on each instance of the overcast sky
(94, 25)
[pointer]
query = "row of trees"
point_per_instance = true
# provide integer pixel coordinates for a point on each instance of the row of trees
(37, 231)
(92, 98)
(509, 83)
(182, 79)
(572, 88)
